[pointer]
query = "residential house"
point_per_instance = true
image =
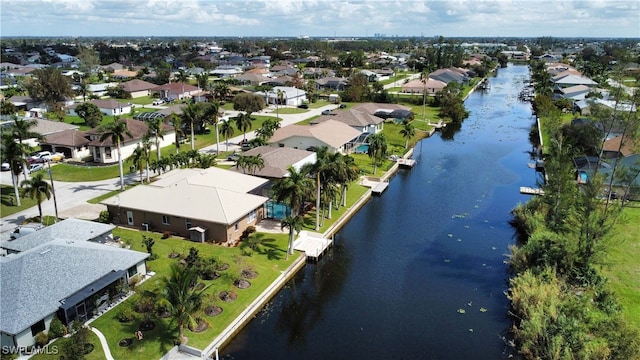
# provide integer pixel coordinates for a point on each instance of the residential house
(277, 161)
(175, 91)
(105, 151)
(74, 144)
(448, 75)
(109, 107)
(138, 88)
(417, 86)
(100, 89)
(211, 204)
(332, 82)
(617, 147)
(337, 136)
(289, 96)
(568, 80)
(65, 270)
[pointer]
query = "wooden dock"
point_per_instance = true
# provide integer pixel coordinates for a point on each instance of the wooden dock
(380, 188)
(531, 191)
(313, 244)
(406, 163)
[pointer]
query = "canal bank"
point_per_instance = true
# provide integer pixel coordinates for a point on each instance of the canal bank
(417, 272)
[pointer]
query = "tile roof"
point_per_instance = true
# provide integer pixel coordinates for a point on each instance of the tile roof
(137, 128)
(46, 127)
(330, 132)
(213, 194)
(137, 85)
(69, 137)
(278, 159)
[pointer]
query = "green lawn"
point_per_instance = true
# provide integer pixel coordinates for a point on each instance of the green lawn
(56, 347)
(75, 173)
(7, 195)
(268, 263)
(354, 192)
(290, 110)
(622, 267)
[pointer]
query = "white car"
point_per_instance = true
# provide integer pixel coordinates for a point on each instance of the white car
(158, 102)
(35, 167)
(6, 166)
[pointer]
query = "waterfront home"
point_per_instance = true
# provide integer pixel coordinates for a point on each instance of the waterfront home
(417, 86)
(66, 270)
(277, 161)
(203, 205)
(337, 136)
(105, 152)
(285, 95)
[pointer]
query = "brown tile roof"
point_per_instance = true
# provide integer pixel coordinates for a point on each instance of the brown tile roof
(276, 160)
(137, 85)
(351, 117)
(175, 88)
(330, 132)
(73, 138)
(46, 127)
(137, 128)
(613, 144)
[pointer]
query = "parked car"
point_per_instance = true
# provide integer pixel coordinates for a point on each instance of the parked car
(35, 167)
(245, 145)
(303, 106)
(6, 166)
(343, 106)
(158, 102)
(25, 229)
(327, 112)
(233, 157)
(44, 156)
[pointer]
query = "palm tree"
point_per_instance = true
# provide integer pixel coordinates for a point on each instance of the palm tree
(221, 91)
(319, 170)
(408, 131)
(137, 158)
(176, 122)
(182, 78)
(192, 114)
(243, 123)
(36, 188)
(156, 129)
(212, 112)
(181, 298)
(14, 153)
(146, 152)
(21, 130)
(292, 189)
(377, 149)
(227, 131)
(424, 77)
(202, 79)
(116, 132)
(294, 224)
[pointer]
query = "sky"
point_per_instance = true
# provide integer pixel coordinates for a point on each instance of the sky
(321, 18)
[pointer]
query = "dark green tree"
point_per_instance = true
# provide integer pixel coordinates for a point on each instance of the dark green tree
(90, 113)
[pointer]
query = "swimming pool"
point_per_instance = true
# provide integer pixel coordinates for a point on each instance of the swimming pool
(362, 149)
(275, 210)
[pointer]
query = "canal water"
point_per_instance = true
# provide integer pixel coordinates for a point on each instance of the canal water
(419, 272)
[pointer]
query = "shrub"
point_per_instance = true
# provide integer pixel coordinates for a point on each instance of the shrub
(166, 234)
(145, 304)
(104, 217)
(248, 231)
(126, 315)
(42, 339)
(56, 328)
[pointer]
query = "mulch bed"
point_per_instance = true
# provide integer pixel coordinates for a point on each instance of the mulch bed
(147, 325)
(174, 255)
(213, 310)
(228, 296)
(242, 284)
(125, 342)
(249, 274)
(223, 267)
(202, 326)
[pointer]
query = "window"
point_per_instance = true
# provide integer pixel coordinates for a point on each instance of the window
(187, 223)
(37, 327)
(252, 216)
(236, 226)
(107, 152)
(166, 220)
(130, 217)
(132, 271)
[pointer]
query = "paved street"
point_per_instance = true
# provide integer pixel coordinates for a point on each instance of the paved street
(72, 196)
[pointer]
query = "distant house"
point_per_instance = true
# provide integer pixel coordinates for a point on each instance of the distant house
(210, 204)
(575, 93)
(175, 91)
(105, 151)
(290, 96)
(65, 270)
(277, 160)
(100, 89)
(617, 147)
(74, 144)
(448, 75)
(367, 117)
(569, 80)
(417, 86)
(108, 107)
(338, 137)
(138, 88)
(332, 82)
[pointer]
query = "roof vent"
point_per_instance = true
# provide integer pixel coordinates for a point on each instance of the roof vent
(45, 251)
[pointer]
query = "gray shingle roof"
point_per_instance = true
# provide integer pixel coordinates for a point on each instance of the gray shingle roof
(35, 281)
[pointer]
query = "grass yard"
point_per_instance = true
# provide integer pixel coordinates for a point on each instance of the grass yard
(268, 262)
(76, 173)
(7, 195)
(57, 346)
(354, 192)
(622, 267)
